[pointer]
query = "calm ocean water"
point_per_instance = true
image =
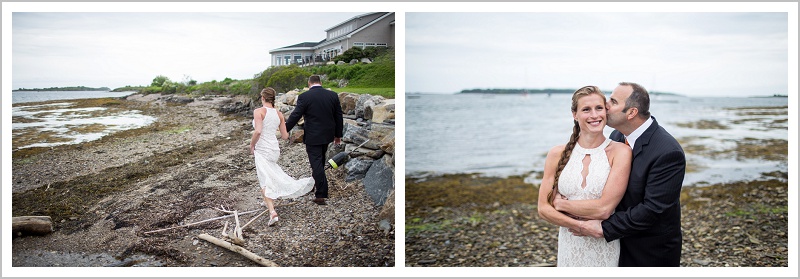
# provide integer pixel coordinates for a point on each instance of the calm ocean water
(503, 135)
(60, 122)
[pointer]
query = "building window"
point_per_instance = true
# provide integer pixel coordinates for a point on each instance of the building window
(358, 45)
(287, 59)
(382, 44)
(298, 59)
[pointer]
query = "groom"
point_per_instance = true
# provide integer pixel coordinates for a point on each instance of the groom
(648, 218)
(323, 123)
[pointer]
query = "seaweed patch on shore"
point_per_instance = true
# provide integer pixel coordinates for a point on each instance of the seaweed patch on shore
(703, 125)
(67, 201)
(469, 190)
(44, 125)
(739, 149)
(732, 224)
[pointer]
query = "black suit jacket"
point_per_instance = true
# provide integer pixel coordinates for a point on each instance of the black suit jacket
(648, 218)
(322, 113)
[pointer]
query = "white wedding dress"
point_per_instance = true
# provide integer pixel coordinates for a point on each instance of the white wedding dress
(585, 250)
(275, 183)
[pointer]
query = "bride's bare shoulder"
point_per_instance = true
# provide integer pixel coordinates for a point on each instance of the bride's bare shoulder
(618, 148)
(556, 151)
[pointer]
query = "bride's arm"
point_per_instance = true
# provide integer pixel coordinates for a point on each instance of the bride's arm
(257, 125)
(617, 182)
(282, 126)
(546, 210)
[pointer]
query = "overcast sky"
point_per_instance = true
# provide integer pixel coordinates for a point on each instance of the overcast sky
(695, 54)
(119, 49)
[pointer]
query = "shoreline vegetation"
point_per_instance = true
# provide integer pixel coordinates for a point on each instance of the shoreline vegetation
(369, 71)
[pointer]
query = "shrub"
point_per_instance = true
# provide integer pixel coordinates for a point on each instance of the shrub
(261, 79)
(357, 53)
(159, 80)
(288, 79)
(241, 87)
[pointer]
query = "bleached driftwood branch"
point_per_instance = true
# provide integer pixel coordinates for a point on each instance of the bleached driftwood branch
(237, 249)
(254, 218)
(203, 221)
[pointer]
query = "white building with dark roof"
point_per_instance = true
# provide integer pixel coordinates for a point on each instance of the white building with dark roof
(366, 30)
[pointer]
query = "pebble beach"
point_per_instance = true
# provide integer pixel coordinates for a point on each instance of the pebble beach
(104, 196)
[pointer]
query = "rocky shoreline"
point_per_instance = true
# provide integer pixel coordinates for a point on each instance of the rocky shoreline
(104, 195)
(466, 220)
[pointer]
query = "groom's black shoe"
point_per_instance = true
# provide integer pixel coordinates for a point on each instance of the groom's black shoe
(319, 201)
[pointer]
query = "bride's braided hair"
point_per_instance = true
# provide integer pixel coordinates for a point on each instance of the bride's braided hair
(269, 95)
(573, 139)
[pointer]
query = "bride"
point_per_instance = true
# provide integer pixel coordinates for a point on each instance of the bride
(590, 168)
(275, 183)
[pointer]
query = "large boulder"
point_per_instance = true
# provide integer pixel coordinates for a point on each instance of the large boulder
(237, 106)
(374, 132)
(355, 133)
(357, 168)
(296, 135)
(377, 134)
(178, 99)
(387, 143)
(365, 101)
(379, 180)
(380, 112)
(290, 98)
(348, 102)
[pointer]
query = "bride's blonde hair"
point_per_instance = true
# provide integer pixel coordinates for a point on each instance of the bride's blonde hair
(573, 139)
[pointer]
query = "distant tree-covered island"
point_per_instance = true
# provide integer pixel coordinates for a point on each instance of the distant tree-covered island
(535, 91)
(128, 88)
(70, 88)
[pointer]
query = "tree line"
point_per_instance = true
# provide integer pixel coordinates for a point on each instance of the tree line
(69, 88)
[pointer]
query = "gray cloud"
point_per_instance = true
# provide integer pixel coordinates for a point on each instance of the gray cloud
(118, 49)
(686, 53)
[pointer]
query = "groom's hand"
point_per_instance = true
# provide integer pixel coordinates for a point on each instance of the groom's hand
(592, 228)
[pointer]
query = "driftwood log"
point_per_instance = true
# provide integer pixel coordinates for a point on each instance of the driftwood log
(35, 225)
(238, 249)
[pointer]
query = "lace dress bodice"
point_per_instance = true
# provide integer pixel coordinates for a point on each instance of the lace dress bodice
(584, 250)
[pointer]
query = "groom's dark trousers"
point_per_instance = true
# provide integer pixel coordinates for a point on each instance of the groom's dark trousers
(316, 156)
(648, 218)
(322, 112)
